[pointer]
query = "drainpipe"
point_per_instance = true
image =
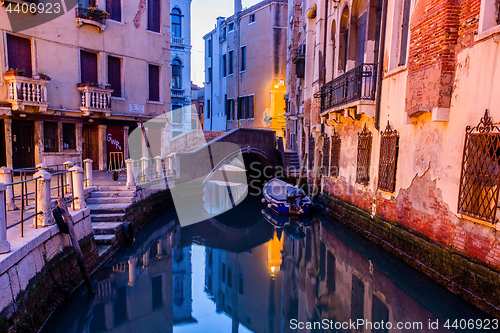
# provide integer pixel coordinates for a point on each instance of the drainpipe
(323, 73)
(381, 52)
(237, 74)
(211, 113)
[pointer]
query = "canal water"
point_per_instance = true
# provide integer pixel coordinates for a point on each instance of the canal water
(238, 273)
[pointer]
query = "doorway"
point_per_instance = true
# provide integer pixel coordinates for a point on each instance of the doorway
(23, 147)
(90, 144)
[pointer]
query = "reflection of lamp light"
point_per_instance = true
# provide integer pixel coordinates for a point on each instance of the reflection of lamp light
(273, 269)
(276, 86)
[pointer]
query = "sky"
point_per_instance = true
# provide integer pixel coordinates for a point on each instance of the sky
(203, 19)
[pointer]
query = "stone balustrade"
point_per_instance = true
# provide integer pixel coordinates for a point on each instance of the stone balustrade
(24, 91)
(95, 99)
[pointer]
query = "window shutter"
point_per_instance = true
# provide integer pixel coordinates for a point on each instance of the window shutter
(404, 32)
(154, 83)
(114, 76)
(19, 54)
(154, 15)
(88, 65)
(250, 106)
(361, 39)
(114, 9)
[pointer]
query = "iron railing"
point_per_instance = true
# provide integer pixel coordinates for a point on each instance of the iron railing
(388, 159)
(480, 176)
(23, 197)
(357, 84)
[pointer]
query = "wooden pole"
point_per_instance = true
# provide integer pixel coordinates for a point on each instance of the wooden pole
(300, 182)
(78, 252)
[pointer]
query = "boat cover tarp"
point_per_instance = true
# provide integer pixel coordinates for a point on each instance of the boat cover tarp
(279, 190)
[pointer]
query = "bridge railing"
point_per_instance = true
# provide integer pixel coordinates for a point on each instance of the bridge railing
(146, 169)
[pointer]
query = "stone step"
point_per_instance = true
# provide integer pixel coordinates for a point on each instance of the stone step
(114, 188)
(105, 217)
(106, 228)
(108, 194)
(102, 249)
(105, 239)
(112, 200)
(108, 208)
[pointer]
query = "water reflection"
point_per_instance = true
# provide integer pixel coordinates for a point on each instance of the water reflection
(223, 275)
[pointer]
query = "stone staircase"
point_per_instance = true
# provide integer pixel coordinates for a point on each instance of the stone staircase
(107, 206)
(292, 161)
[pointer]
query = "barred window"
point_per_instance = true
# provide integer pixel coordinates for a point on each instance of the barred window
(311, 152)
(50, 137)
(326, 155)
(389, 148)
(335, 159)
(480, 177)
(69, 136)
(364, 154)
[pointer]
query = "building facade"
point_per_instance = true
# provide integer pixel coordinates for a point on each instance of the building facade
(83, 82)
(245, 68)
(387, 100)
(180, 17)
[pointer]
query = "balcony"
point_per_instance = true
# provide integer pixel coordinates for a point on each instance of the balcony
(177, 41)
(23, 91)
(354, 89)
(177, 92)
(95, 99)
(91, 16)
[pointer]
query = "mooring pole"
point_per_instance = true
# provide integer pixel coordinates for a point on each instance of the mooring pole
(302, 170)
(78, 252)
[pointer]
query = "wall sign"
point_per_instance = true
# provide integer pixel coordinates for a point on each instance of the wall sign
(137, 108)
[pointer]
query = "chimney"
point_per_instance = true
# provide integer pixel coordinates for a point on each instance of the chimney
(237, 6)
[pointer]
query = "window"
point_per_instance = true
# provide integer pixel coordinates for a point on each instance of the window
(223, 35)
(364, 155)
(251, 19)
(404, 33)
(19, 54)
(229, 277)
(489, 16)
(88, 67)
(114, 8)
(231, 26)
(209, 75)
(176, 74)
(244, 58)
(209, 47)
(178, 289)
(229, 109)
(335, 155)
(224, 68)
(157, 292)
(223, 273)
(240, 285)
(50, 137)
(154, 15)
(154, 83)
(69, 136)
(388, 159)
(480, 175)
(310, 155)
(326, 155)
(230, 63)
(209, 109)
(175, 17)
(177, 114)
(246, 107)
(115, 75)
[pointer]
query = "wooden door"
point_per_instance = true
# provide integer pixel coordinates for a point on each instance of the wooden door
(90, 144)
(23, 148)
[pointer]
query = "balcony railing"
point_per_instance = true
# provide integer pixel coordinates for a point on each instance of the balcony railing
(176, 40)
(95, 99)
(86, 16)
(177, 92)
(22, 91)
(355, 85)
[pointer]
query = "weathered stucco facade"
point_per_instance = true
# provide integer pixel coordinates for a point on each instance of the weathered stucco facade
(107, 75)
(438, 76)
(245, 67)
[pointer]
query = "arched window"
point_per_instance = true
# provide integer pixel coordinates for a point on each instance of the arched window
(175, 18)
(176, 74)
(343, 39)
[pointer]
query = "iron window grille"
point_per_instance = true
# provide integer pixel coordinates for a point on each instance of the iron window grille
(389, 149)
(326, 155)
(335, 155)
(365, 139)
(480, 175)
(310, 157)
(50, 137)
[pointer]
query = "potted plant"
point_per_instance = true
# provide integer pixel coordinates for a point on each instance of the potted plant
(97, 13)
(107, 86)
(87, 84)
(14, 72)
(312, 12)
(42, 76)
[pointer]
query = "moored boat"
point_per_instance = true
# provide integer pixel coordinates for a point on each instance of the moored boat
(284, 198)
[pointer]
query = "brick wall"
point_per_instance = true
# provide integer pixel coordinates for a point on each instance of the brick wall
(431, 65)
